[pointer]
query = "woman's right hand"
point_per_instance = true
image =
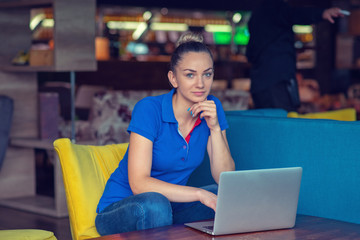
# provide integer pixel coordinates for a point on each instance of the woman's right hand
(207, 198)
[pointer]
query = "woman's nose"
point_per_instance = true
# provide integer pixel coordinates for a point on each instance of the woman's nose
(200, 82)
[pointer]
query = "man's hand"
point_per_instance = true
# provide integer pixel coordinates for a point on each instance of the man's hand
(331, 13)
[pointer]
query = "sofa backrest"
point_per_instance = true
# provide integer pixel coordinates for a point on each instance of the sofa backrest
(328, 151)
(111, 112)
(202, 176)
(265, 112)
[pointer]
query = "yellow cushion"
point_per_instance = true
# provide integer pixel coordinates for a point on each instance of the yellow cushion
(85, 171)
(346, 114)
(26, 234)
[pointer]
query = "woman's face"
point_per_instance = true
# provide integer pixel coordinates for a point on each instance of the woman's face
(193, 76)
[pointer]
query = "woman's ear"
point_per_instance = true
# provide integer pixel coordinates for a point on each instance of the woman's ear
(172, 79)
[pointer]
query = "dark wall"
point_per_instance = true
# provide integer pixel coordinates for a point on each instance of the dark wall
(184, 4)
(134, 75)
(148, 75)
(230, 5)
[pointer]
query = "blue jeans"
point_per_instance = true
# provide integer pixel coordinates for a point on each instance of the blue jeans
(150, 210)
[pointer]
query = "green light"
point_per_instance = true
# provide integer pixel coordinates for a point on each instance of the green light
(222, 37)
(241, 36)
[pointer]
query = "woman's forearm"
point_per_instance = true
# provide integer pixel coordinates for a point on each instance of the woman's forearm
(174, 192)
(219, 154)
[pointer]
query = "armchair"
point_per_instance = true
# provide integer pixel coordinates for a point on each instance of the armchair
(346, 114)
(85, 171)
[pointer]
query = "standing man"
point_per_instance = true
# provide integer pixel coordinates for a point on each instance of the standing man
(272, 54)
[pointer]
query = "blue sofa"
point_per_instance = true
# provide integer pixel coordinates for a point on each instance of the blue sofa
(328, 151)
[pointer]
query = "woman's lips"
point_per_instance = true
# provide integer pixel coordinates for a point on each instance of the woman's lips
(199, 94)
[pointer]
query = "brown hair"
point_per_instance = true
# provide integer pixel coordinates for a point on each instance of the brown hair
(188, 42)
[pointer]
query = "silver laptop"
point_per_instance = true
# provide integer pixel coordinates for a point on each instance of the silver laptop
(254, 200)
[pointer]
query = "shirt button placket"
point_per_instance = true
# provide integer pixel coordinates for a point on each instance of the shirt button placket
(185, 148)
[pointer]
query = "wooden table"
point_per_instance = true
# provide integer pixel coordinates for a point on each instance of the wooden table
(306, 227)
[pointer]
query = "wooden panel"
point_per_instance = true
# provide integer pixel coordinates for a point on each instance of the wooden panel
(15, 33)
(22, 88)
(344, 51)
(74, 35)
(27, 68)
(56, 206)
(325, 52)
(24, 3)
(37, 204)
(74, 51)
(17, 175)
(354, 19)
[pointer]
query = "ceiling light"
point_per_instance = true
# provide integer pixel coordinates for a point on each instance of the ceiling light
(36, 20)
(122, 25)
(147, 15)
(139, 31)
(237, 17)
(302, 28)
(47, 23)
(156, 26)
(217, 28)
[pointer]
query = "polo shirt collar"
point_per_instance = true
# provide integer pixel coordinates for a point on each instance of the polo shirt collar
(167, 108)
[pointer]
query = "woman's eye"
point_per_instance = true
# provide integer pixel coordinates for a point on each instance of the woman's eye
(189, 75)
(209, 74)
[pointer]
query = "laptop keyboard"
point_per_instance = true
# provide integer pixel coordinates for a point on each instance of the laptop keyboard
(209, 227)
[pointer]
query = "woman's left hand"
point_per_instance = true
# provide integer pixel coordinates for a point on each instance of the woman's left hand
(206, 110)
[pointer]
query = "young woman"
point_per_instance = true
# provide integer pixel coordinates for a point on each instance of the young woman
(169, 135)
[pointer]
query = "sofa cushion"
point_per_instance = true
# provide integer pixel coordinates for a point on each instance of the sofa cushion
(26, 234)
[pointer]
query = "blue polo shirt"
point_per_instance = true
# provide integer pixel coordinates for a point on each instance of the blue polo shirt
(173, 159)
